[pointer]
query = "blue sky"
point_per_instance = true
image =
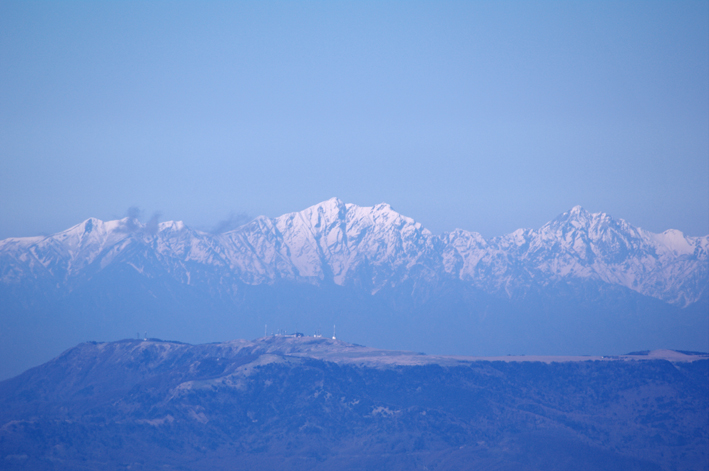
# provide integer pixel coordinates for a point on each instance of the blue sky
(488, 116)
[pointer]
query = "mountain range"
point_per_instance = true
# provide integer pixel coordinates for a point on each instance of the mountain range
(306, 403)
(584, 281)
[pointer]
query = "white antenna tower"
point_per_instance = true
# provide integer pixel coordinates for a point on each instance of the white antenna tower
(333, 332)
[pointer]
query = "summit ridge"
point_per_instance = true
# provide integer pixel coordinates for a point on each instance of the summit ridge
(335, 242)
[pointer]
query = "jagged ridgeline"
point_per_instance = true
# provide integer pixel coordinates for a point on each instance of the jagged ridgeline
(582, 284)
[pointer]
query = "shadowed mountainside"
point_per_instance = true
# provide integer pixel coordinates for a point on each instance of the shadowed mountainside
(314, 403)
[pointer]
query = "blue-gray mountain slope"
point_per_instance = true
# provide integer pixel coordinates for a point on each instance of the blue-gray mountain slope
(318, 404)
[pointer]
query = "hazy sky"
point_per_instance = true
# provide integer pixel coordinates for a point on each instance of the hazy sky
(487, 116)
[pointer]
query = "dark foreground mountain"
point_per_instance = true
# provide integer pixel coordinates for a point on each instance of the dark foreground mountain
(582, 284)
(286, 403)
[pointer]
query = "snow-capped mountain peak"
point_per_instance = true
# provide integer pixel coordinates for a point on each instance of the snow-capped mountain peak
(674, 241)
(375, 246)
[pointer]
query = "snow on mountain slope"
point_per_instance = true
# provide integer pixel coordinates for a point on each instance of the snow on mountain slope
(578, 244)
(330, 241)
(61, 254)
(372, 247)
(584, 245)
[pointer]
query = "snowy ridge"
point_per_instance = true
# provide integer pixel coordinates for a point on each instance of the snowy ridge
(371, 247)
